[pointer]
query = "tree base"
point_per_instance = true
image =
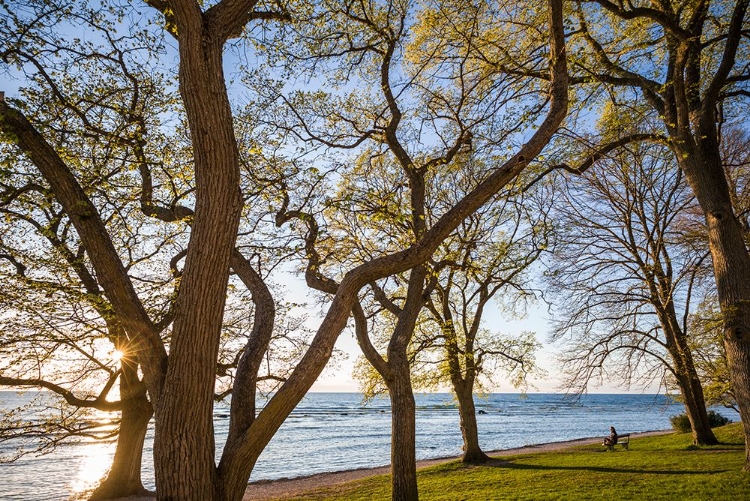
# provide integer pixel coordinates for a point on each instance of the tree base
(475, 457)
(113, 490)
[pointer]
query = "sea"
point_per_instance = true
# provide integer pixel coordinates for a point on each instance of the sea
(339, 431)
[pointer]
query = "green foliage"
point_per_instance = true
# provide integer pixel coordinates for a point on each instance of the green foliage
(681, 423)
(659, 467)
(715, 419)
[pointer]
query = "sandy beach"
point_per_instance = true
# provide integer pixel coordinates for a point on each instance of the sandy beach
(267, 490)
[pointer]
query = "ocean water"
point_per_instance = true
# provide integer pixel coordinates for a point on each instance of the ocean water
(337, 431)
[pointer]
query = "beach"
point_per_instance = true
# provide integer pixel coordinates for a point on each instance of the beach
(268, 490)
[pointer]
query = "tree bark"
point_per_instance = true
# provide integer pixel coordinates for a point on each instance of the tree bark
(687, 378)
(184, 448)
(463, 378)
(124, 478)
(397, 377)
(692, 120)
(237, 461)
(473, 453)
(403, 433)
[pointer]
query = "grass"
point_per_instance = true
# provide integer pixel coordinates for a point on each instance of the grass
(660, 467)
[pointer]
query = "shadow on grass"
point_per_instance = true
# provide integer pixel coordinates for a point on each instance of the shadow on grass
(716, 448)
(516, 466)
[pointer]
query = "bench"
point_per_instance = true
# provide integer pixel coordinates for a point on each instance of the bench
(622, 440)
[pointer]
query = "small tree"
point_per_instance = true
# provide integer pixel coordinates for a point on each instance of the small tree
(60, 329)
(488, 259)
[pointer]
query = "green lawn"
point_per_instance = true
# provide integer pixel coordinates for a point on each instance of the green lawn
(661, 467)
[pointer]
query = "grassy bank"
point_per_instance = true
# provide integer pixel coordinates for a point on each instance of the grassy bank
(659, 467)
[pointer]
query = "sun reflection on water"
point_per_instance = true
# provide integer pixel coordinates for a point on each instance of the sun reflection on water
(94, 462)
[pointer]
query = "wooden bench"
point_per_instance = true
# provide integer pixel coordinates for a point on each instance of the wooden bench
(622, 440)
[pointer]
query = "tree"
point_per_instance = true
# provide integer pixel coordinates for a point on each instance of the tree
(487, 259)
(626, 276)
(55, 337)
(413, 113)
(60, 331)
(106, 263)
(484, 259)
(685, 62)
(180, 385)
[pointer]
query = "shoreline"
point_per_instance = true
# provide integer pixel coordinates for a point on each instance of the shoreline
(276, 489)
(268, 490)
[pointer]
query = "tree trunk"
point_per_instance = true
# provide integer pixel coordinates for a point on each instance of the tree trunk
(731, 264)
(184, 448)
(692, 394)
(238, 458)
(398, 380)
(737, 343)
(468, 419)
(695, 407)
(687, 377)
(124, 477)
(403, 435)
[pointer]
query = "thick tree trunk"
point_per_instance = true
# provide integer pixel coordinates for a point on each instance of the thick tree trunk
(731, 263)
(737, 343)
(468, 420)
(398, 380)
(403, 435)
(184, 448)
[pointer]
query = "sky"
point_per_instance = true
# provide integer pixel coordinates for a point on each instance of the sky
(340, 379)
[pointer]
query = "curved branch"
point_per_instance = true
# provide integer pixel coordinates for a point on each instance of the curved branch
(100, 403)
(598, 154)
(655, 15)
(243, 395)
(729, 56)
(228, 18)
(363, 338)
(95, 238)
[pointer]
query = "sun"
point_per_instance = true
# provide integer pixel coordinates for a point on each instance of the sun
(117, 355)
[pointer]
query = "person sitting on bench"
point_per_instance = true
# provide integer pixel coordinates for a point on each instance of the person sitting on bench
(612, 438)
